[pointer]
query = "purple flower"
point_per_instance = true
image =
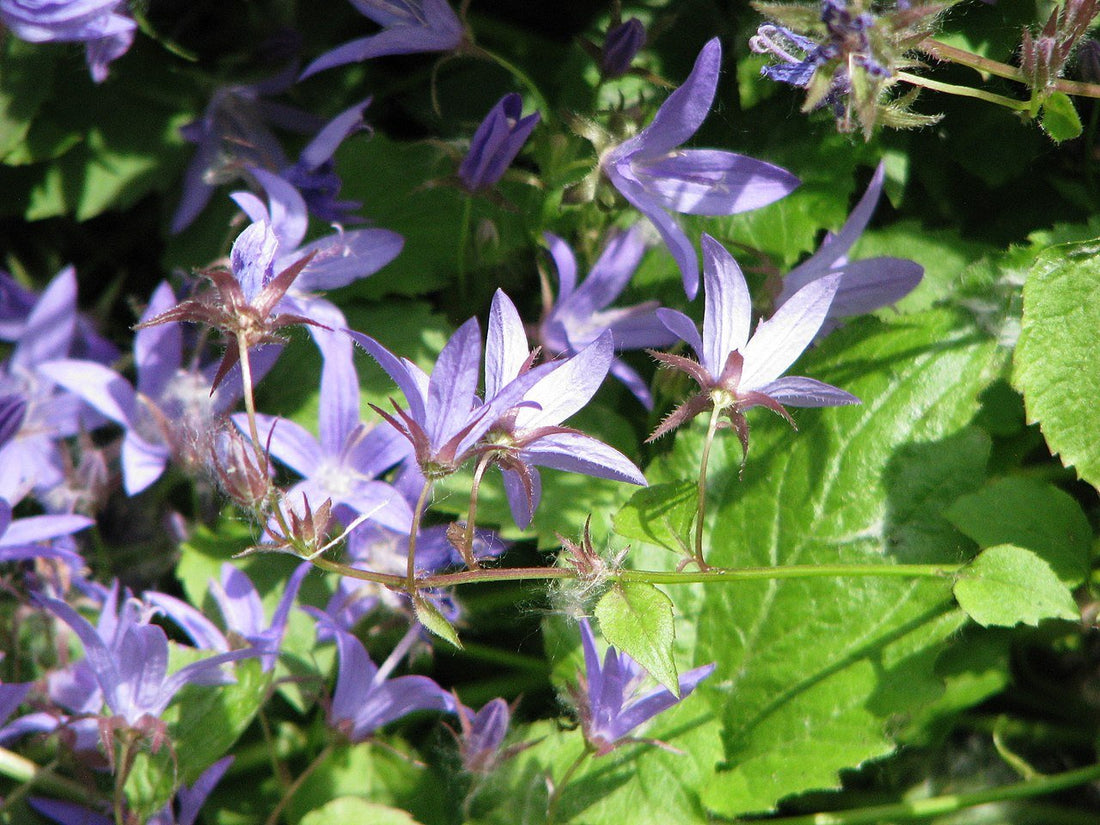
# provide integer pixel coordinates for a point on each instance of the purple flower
(656, 176)
(129, 657)
(621, 43)
(16, 304)
(611, 701)
(446, 419)
(408, 27)
(529, 435)
(189, 802)
(242, 610)
(95, 23)
(496, 143)
(366, 699)
(171, 411)
(482, 735)
(864, 285)
(735, 373)
(12, 411)
(344, 462)
(580, 314)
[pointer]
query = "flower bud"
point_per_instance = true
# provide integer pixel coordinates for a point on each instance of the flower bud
(620, 45)
(234, 462)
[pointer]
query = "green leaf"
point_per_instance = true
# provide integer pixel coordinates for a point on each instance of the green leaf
(354, 810)
(431, 618)
(26, 81)
(813, 672)
(1059, 347)
(1031, 514)
(661, 514)
(1008, 585)
(637, 619)
(1059, 118)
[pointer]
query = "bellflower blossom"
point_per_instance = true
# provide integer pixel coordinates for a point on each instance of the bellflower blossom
(864, 285)
(16, 303)
(611, 701)
(105, 33)
(736, 373)
(408, 27)
(496, 143)
(344, 462)
(530, 435)
(580, 313)
(366, 698)
(446, 420)
(658, 177)
(30, 537)
(129, 657)
(172, 410)
(482, 734)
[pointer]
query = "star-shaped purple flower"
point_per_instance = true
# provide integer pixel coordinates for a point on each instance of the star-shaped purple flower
(735, 373)
(408, 27)
(580, 314)
(658, 177)
(611, 700)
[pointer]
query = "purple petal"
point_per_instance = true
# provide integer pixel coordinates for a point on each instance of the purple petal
(252, 258)
(569, 386)
(505, 344)
(13, 410)
(324, 145)
(102, 388)
(633, 381)
(345, 257)
(339, 403)
(728, 306)
(353, 680)
(592, 670)
(158, 350)
(142, 463)
(778, 341)
(681, 115)
(579, 453)
(396, 698)
(838, 245)
(238, 601)
(68, 813)
(797, 391)
(381, 502)
(872, 284)
(681, 325)
(203, 632)
(658, 700)
(611, 272)
(99, 658)
(291, 443)
(286, 210)
(48, 332)
(712, 181)
(522, 507)
(565, 263)
(409, 378)
(33, 529)
(190, 800)
(453, 384)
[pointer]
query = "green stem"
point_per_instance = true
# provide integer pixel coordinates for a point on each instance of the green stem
(525, 81)
(940, 805)
(963, 91)
(273, 819)
(701, 510)
(467, 548)
(414, 530)
(555, 795)
(712, 574)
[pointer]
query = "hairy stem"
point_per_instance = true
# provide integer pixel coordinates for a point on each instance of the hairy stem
(555, 794)
(277, 811)
(467, 548)
(962, 57)
(414, 531)
(701, 509)
(963, 91)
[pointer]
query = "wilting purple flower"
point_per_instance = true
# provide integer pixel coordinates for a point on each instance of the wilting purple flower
(96, 23)
(171, 411)
(189, 802)
(580, 314)
(530, 434)
(233, 134)
(496, 143)
(446, 419)
(611, 701)
(366, 698)
(864, 285)
(408, 27)
(656, 176)
(735, 373)
(242, 610)
(482, 734)
(344, 463)
(30, 537)
(129, 657)
(620, 45)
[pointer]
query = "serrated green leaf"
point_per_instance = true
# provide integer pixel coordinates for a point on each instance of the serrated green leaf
(1031, 514)
(1057, 354)
(1008, 585)
(431, 618)
(810, 672)
(1059, 118)
(354, 810)
(637, 619)
(661, 514)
